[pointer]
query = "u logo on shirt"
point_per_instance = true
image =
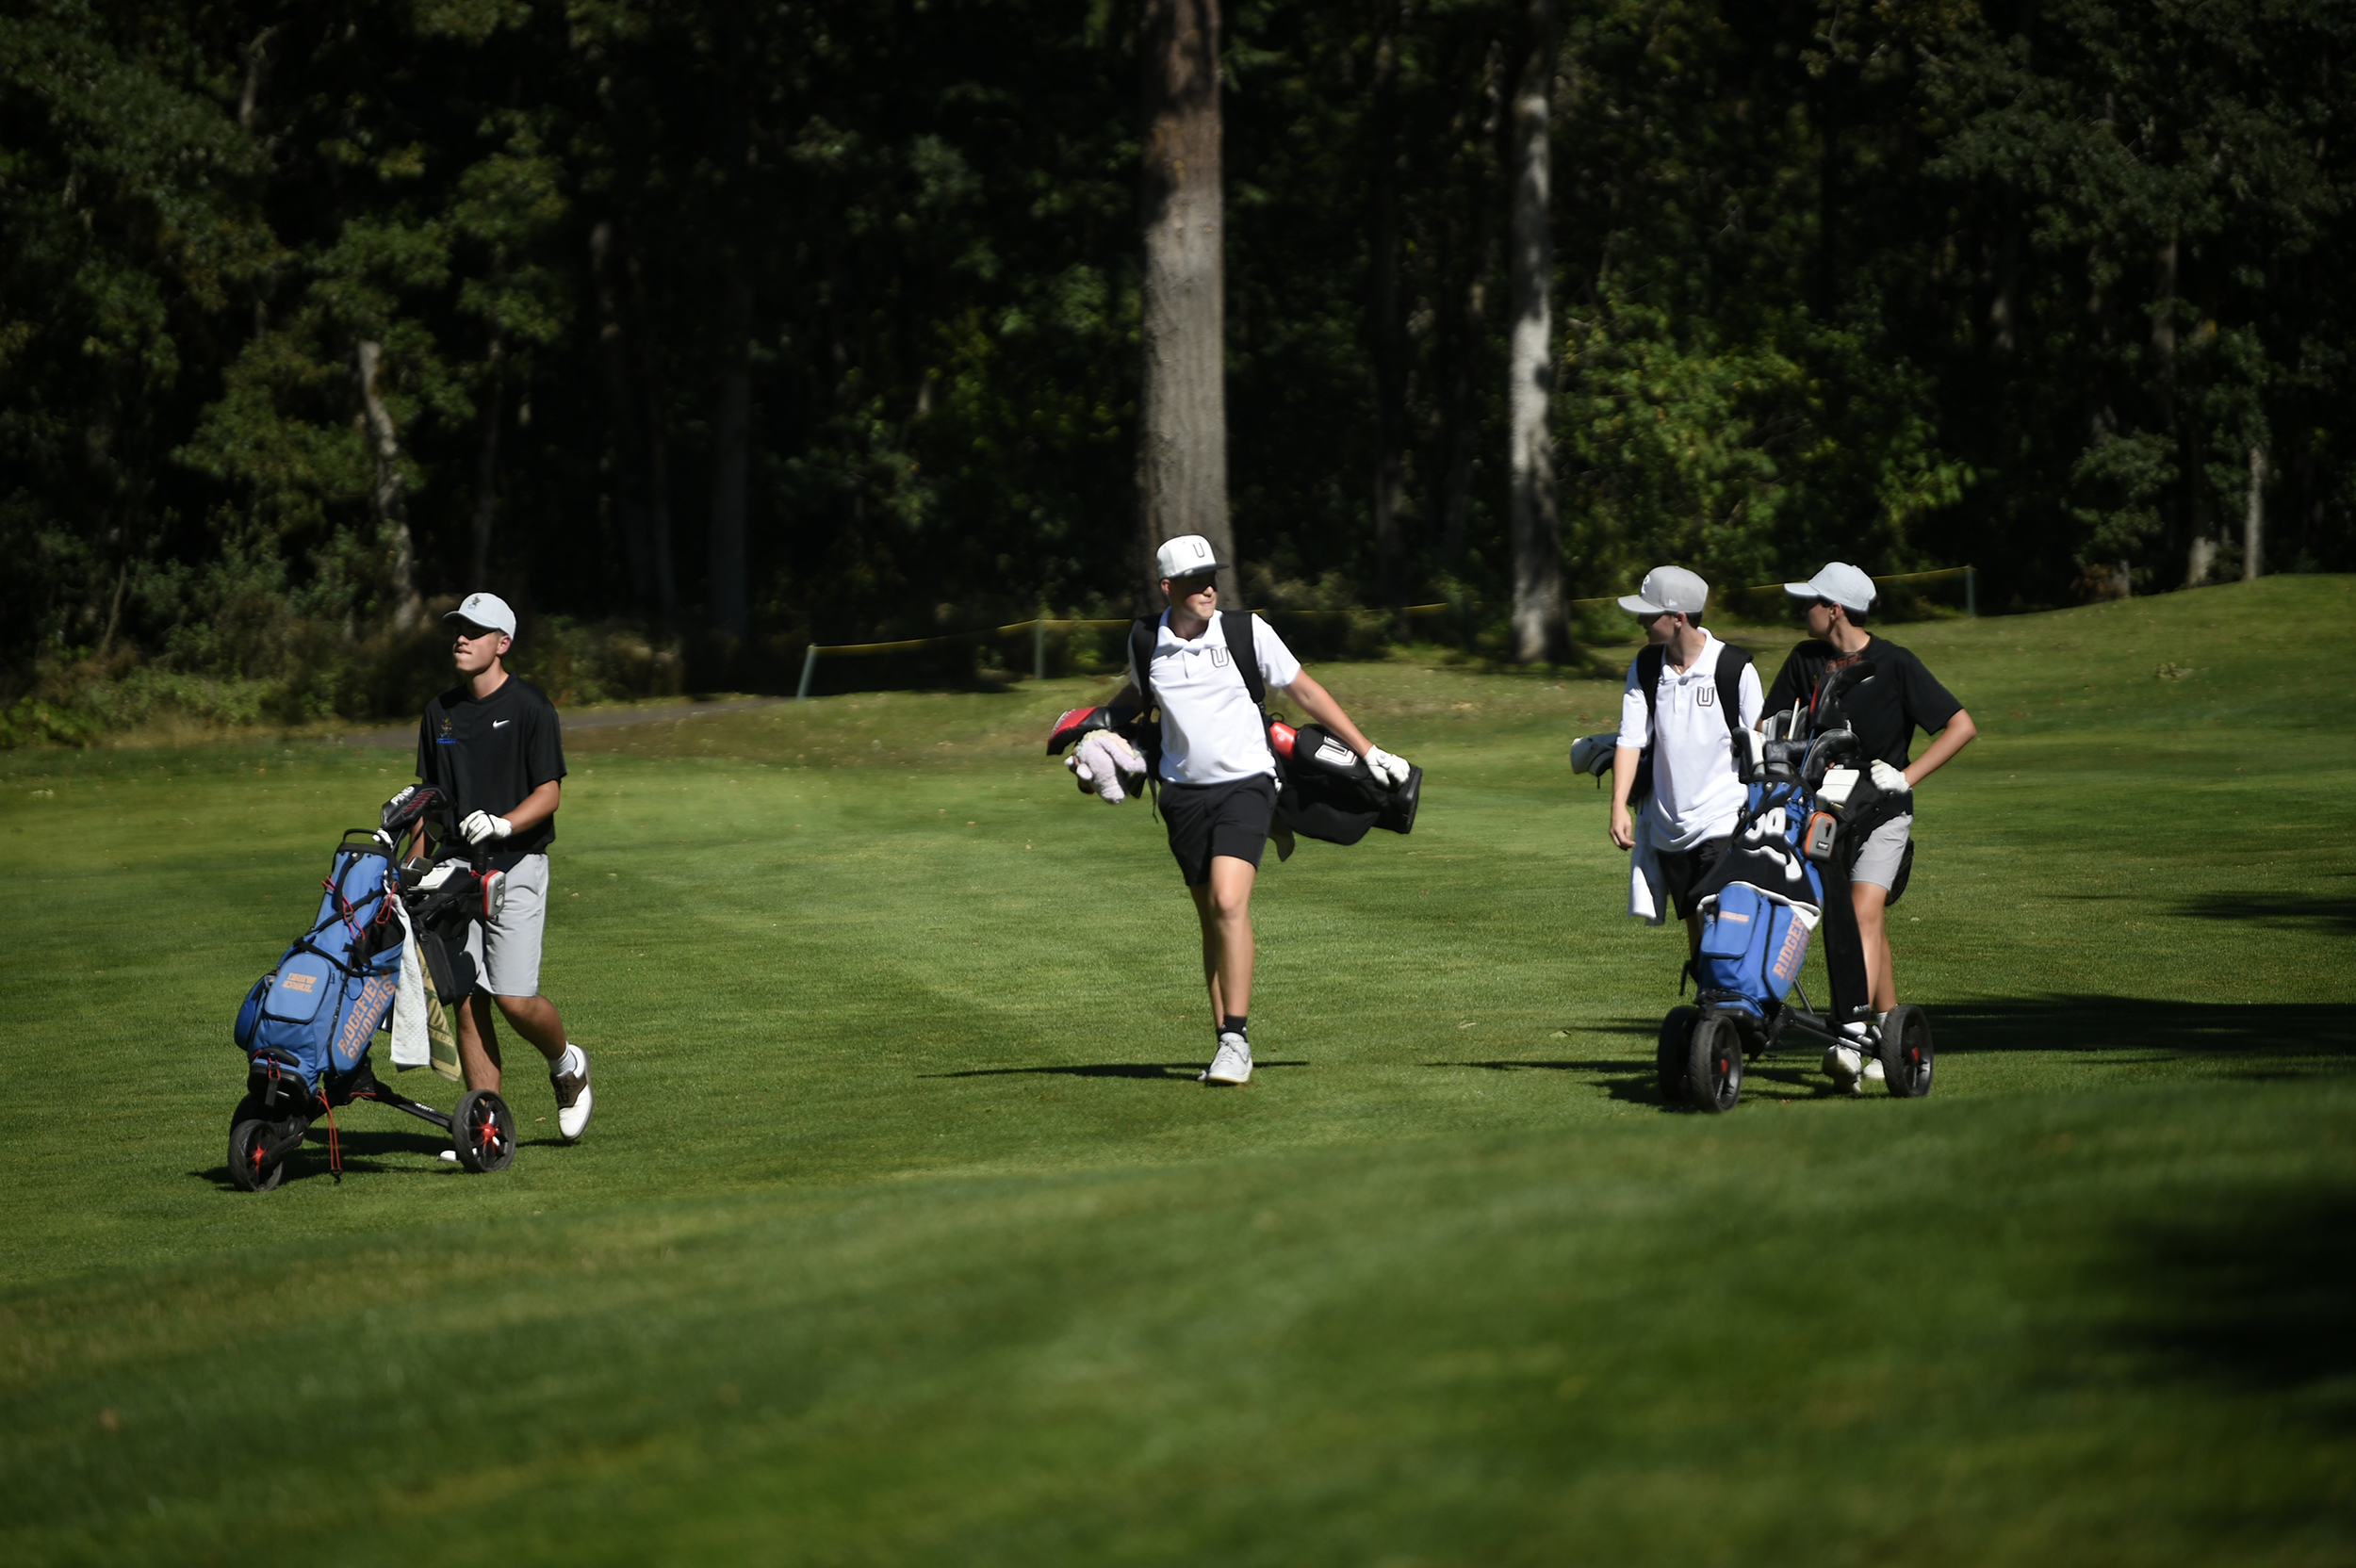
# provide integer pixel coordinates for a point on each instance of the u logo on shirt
(1709, 697)
(1219, 657)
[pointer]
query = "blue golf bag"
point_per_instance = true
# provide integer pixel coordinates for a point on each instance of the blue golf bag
(313, 1017)
(1769, 897)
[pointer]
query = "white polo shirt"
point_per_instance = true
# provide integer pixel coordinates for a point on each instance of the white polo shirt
(1695, 792)
(1211, 731)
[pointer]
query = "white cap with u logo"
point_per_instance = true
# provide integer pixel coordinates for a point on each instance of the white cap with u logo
(1188, 555)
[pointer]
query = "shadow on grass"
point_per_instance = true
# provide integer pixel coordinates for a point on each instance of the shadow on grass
(2291, 912)
(2135, 1023)
(365, 1153)
(1101, 1070)
(2258, 1296)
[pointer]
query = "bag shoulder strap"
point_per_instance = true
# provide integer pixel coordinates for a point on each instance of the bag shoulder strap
(1732, 662)
(1236, 625)
(1142, 638)
(1650, 659)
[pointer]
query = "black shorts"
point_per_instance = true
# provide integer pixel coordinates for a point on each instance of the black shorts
(1205, 820)
(1682, 870)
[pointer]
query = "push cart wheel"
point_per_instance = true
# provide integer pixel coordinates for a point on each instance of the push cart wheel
(484, 1132)
(1905, 1051)
(1676, 1029)
(249, 1109)
(1713, 1064)
(250, 1164)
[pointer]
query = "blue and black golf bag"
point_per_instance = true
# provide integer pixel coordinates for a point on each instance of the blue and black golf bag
(1768, 900)
(307, 1025)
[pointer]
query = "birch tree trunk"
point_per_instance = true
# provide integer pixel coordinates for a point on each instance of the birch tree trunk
(1539, 632)
(388, 497)
(732, 451)
(649, 391)
(626, 469)
(1182, 434)
(487, 474)
(2253, 522)
(1384, 329)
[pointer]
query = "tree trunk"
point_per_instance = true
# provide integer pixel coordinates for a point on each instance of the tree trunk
(1539, 632)
(732, 451)
(1385, 333)
(2253, 522)
(1182, 436)
(628, 466)
(388, 497)
(487, 474)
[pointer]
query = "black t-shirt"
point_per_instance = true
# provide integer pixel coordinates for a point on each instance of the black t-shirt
(488, 755)
(1884, 710)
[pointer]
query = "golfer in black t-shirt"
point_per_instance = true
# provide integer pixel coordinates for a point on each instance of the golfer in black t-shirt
(492, 744)
(1884, 712)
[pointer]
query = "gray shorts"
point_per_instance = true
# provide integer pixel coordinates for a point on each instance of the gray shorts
(507, 954)
(1885, 847)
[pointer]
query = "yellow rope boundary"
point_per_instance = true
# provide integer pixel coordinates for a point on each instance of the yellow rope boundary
(910, 644)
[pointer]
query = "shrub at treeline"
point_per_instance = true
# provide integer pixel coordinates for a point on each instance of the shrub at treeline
(311, 313)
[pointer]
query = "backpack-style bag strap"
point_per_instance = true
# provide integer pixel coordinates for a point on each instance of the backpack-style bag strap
(1236, 625)
(1732, 662)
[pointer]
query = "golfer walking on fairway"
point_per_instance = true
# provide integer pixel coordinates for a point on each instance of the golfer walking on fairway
(1884, 712)
(1687, 694)
(491, 746)
(1219, 775)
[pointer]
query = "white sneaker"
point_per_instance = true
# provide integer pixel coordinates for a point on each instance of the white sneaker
(573, 1100)
(450, 1156)
(1845, 1065)
(1232, 1064)
(1873, 1073)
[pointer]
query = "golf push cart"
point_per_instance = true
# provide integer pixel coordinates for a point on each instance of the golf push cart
(1810, 800)
(307, 1025)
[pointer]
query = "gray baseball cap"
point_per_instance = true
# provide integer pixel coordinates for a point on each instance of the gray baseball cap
(488, 611)
(1667, 588)
(1840, 583)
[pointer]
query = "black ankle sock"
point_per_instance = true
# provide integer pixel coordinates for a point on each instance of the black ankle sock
(1234, 1025)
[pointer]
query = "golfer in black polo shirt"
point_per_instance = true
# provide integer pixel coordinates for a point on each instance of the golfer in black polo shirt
(1902, 697)
(491, 743)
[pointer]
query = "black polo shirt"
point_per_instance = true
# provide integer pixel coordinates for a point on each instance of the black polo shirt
(1884, 710)
(487, 755)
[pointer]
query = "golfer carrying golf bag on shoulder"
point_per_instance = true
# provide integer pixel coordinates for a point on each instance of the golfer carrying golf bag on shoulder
(491, 743)
(1884, 712)
(1687, 695)
(1218, 773)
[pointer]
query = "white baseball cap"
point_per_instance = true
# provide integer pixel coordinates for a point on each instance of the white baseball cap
(1667, 588)
(488, 611)
(1840, 583)
(1187, 555)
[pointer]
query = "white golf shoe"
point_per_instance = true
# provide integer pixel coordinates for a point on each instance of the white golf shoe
(1232, 1064)
(1845, 1066)
(573, 1100)
(1873, 1073)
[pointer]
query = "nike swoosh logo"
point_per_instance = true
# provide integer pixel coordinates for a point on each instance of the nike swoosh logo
(497, 722)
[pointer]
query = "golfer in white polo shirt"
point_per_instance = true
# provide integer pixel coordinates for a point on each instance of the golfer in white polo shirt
(1219, 777)
(1677, 706)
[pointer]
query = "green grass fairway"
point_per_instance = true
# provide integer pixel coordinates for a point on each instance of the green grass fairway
(903, 1235)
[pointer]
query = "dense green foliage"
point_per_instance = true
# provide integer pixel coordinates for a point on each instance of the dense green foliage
(2022, 284)
(901, 1236)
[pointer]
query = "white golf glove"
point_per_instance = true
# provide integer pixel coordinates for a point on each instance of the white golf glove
(1889, 780)
(1389, 771)
(482, 826)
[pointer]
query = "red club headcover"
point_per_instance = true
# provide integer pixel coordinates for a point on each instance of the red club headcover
(1076, 722)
